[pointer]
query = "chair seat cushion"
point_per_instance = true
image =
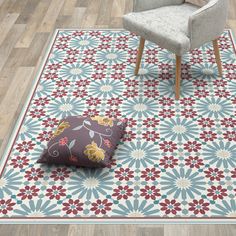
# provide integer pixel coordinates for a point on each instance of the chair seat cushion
(165, 26)
(199, 3)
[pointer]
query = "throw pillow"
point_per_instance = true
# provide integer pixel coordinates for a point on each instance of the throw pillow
(84, 141)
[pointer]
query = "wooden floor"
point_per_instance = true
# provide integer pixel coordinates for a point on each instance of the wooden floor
(25, 28)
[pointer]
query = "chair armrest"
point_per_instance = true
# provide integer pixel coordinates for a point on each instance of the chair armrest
(207, 23)
(143, 5)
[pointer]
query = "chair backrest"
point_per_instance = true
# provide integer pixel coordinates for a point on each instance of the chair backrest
(143, 5)
(208, 22)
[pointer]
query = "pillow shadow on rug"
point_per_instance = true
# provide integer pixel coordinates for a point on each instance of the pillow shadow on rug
(84, 141)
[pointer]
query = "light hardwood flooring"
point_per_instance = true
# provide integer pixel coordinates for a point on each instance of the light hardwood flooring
(25, 29)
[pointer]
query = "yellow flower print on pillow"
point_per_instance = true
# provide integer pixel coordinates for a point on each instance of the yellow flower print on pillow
(94, 153)
(106, 121)
(61, 127)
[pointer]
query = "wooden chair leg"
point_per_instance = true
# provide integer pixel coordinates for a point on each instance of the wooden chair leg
(139, 56)
(217, 55)
(178, 77)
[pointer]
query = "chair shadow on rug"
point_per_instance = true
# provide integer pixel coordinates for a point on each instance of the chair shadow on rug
(177, 26)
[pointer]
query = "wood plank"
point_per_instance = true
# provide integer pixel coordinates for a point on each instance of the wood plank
(209, 230)
(13, 62)
(68, 7)
(13, 97)
(47, 230)
(82, 3)
(51, 16)
(27, 11)
(35, 49)
(104, 16)
(91, 14)
(118, 8)
(150, 230)
(183, 230)
(77, 17)
(5, 51)
(116, 22)
(128, 6)
(115, 230)
(6, 25)
(9, 42)
(232, 9)
(18, 6)
(32, 25)
(1, 2)
(5, 8)
(76, 230)
(63, 22)
(232, 25)
(16, 230)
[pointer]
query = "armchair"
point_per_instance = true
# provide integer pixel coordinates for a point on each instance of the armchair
(177, 26)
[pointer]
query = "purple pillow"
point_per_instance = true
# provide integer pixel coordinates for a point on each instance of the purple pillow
(84, 141)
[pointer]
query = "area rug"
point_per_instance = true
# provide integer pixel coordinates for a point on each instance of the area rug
(177, 160)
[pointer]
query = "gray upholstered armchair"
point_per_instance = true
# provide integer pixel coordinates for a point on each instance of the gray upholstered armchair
(177, 26)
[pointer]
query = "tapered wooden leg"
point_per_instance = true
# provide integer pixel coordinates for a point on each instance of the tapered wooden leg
(139, 56)
(217, 55)
(178, 77)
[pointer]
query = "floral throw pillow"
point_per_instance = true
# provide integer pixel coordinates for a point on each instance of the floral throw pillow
(84, 142)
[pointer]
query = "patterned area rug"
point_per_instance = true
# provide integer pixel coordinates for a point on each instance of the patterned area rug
(177, 160)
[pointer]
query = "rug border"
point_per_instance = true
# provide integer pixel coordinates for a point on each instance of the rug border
(123, 221)
(90, 220)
